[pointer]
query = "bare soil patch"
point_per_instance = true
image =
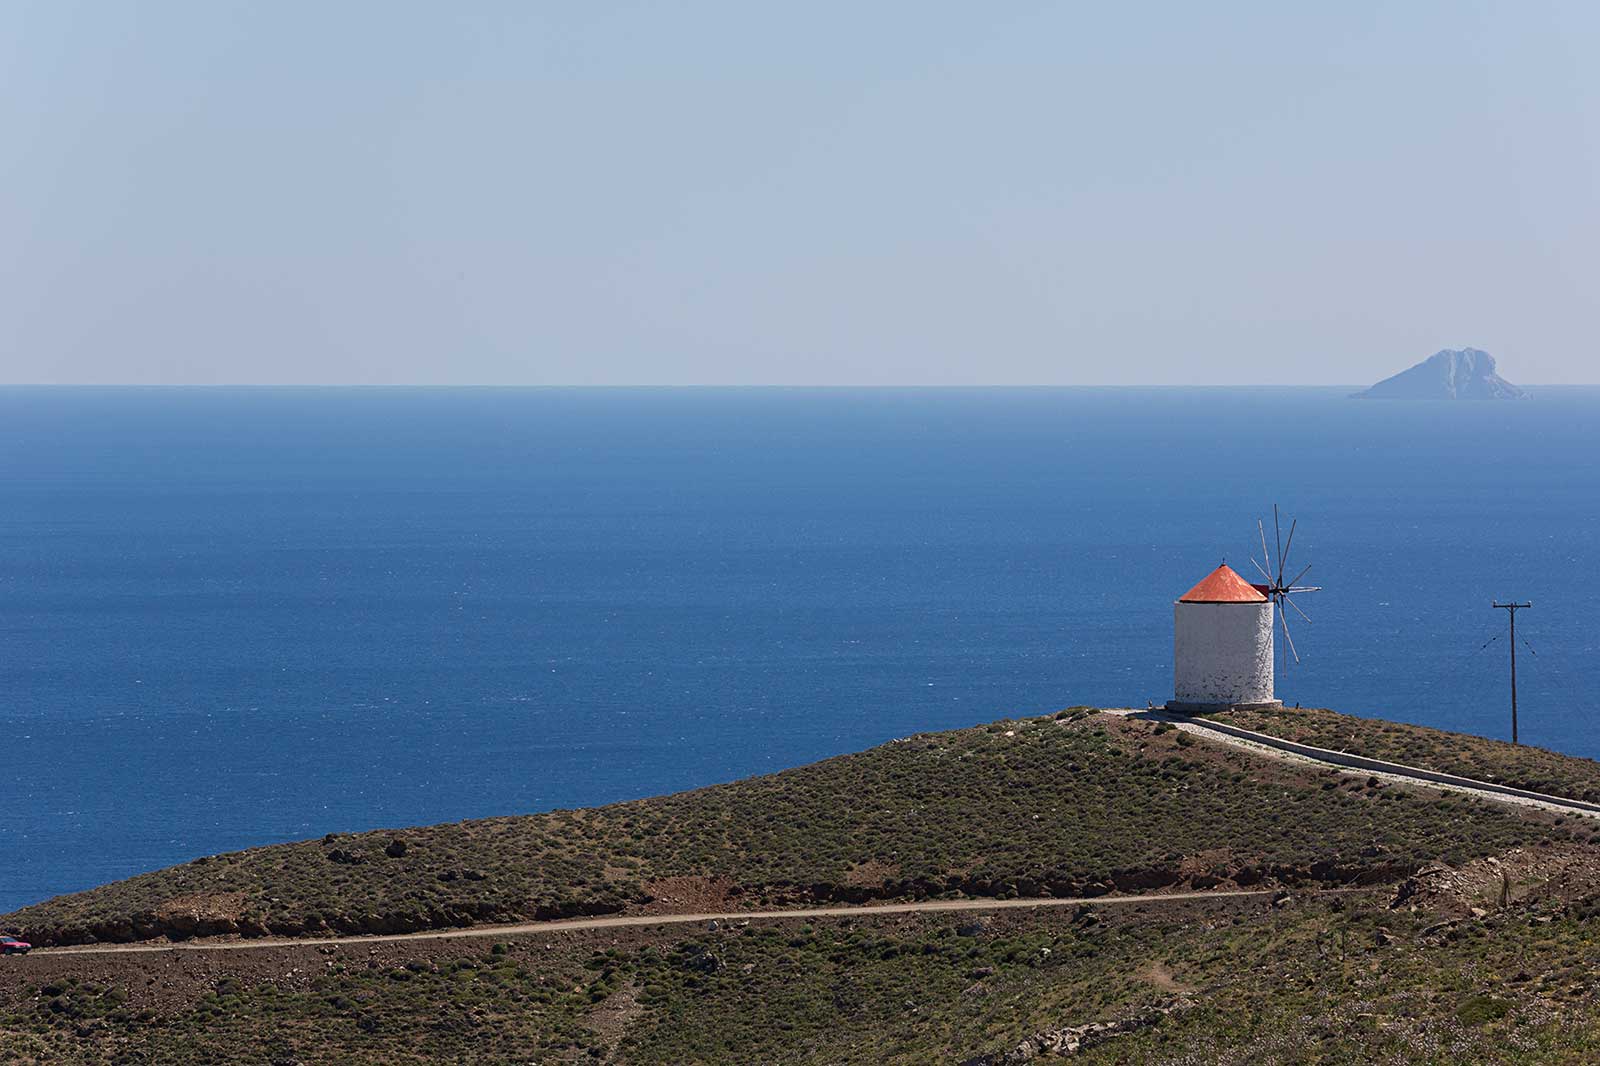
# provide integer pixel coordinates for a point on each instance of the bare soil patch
(689, 894)
(611, 1020)
(204, 907)
(1155, 971)
(871, 873)
(1545, 873)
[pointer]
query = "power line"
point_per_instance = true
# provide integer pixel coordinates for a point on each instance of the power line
(1557, 672)
(1454, 665)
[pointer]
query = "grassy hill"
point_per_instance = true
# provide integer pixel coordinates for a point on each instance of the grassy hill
(1348, 980)
(1469, 938)
(1075, 804)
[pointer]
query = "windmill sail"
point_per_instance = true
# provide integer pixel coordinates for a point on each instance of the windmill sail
(1279, 591)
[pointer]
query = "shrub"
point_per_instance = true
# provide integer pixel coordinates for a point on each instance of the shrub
(1480, 1010)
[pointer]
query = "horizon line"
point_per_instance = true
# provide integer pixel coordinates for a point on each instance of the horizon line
(669, 386)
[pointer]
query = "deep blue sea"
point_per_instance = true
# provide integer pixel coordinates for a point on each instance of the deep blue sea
(230, 617)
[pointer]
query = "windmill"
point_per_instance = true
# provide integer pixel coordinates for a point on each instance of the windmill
(1281, 592)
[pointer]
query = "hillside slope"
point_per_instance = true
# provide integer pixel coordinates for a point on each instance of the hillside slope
(1346, 980)
(1077, 804)
(1471, 938)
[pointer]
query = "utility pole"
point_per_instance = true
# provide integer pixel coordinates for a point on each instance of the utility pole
(1512, 609)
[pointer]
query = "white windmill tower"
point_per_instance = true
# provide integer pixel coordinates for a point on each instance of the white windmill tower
(1223, 650)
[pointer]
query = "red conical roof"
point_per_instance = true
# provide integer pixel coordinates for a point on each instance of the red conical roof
(1222, 585)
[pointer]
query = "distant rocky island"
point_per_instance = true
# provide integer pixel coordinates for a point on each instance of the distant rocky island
(1451, 374)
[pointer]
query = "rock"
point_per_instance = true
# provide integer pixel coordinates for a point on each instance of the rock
(1451, 374)
(705, 962)
(118, 930)
(976, 927)
(1246, 876)
(1408, 890)
(1072, 1039)
(252, 926)
(396, 849)
(349, 858)
(1144, 880)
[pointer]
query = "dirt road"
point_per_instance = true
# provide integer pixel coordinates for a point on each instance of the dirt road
(614, 921)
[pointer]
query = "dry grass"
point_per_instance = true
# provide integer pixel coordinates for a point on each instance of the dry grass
(1338, 983)
(1078, 804)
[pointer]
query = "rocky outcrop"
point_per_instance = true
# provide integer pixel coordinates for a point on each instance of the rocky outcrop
(1072, 1039)
(1451, 374)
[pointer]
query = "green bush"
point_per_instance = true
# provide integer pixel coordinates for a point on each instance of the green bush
(1480, 1010)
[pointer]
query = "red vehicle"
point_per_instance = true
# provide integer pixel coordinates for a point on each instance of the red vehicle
(10, 945)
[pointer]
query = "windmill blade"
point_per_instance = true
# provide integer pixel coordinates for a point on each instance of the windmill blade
(1287, 547)
(1296, 606)
(1300, 575)
(1302, 588)
(1260, 569)
(1284, 621)
(1265, 555)
(1277, 531)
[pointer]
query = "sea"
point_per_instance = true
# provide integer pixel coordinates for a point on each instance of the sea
(230, 617)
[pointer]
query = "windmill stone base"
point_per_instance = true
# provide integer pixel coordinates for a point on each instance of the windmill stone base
(1179, 707)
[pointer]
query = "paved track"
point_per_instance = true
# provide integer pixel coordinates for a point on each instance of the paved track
(616, 921)
(1345, 762)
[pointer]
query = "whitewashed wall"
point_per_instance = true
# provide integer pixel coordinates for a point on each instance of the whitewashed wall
(1223, 653)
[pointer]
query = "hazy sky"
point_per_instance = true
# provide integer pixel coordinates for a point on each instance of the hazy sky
(817, 193)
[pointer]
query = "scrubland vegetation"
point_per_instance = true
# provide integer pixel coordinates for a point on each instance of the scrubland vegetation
(1463, 931)
(1076, 804)
(1302, 980)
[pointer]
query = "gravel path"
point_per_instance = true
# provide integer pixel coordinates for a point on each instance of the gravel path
(1361, 765)
(613, 921)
